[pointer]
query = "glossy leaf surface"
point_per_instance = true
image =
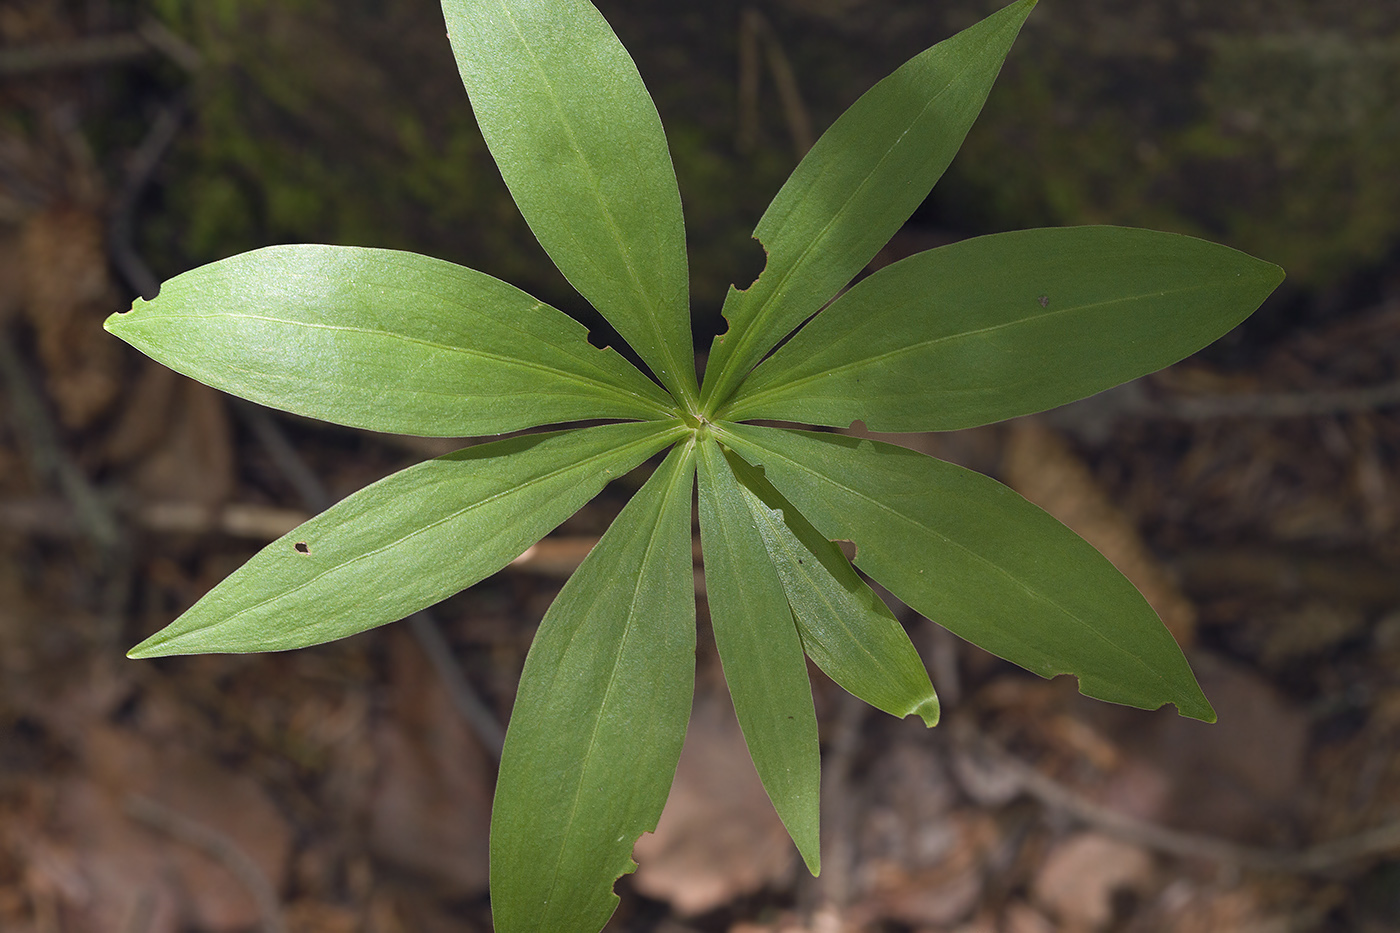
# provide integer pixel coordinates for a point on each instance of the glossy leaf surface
(599, 718)
(1005, 325)
(384, 340)
(579, 144)
(761, 653)
(978, 559)
(846, 629)
(856, 187)
(407, 541)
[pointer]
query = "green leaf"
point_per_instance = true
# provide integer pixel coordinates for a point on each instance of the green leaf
(856, 187)
(384, 340)
(1005, 325)
(407, 541)
(580, 145)
(976, 558)
(760, 651)
(599, 717)
(846, 629)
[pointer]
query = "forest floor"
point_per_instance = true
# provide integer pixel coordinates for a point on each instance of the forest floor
(1252, 495)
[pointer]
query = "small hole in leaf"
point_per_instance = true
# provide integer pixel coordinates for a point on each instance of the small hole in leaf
(1044, 301)
(301, 547)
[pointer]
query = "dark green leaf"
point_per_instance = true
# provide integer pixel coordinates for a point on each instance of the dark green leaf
(384, 340)
(846, 629)
(856, 187)
(761, 653)
(407, 541)
(975, 557)
(599, 717)
(1005, 325)
(580, 146)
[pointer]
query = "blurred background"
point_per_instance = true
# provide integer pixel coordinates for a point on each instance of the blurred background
(1251, 492)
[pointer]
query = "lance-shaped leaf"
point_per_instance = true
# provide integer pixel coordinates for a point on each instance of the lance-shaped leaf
(384, 340)
(1005, 325)
(856, 187)
(580, 145)
(846, 629)
(975, 557)
(599, 717)
(761, 653)
(407, 541)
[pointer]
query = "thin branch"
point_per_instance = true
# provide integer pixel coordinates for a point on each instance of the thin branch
(151, 37)
(465, 699)
(756, 31)
(140, 172)
(1278, 405)
(218, 847)
(1316, 859)
(841, 806)
(52, 517)
(314, 495)
(50, 460)
(92, 52)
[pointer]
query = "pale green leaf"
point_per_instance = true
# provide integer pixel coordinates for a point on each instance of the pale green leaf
(579, 144)
(599, 717)
(846, 629)
(384, 340)
(760, 651)
(1005, 325)
(407, 541)
(856, 187)
(975, 557)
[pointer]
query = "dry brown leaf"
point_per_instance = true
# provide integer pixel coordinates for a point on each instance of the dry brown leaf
(119, 866)
(1081, 876)
(194, 459)
(68, 294)
(431, 810)
(718, 837)
(942, 894)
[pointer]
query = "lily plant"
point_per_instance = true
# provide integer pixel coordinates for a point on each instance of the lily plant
(967, 334)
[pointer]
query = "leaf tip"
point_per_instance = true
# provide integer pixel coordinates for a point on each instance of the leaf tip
(150, 648)
(1196, 707)
(928, 710)
(162, 644)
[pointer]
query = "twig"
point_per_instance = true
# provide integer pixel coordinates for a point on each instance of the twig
(754, 29)
(1094, 416)
(92, 52)
(1313, 860)
(218, 847)
(840, 805)
(140, 171)
(50, 459)
(289, 463)
(315, 497)
(465, 699)
(100, 51)
(142, 913)
(54, 518)
(160, 38)
(1278, 405)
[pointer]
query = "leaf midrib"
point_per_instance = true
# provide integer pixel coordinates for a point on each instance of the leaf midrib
(786, 387)
(520, 362)
(768, 518)
(663, 503)
(1035, 594)
(755, 323)
(648, 317)
(452, 516)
